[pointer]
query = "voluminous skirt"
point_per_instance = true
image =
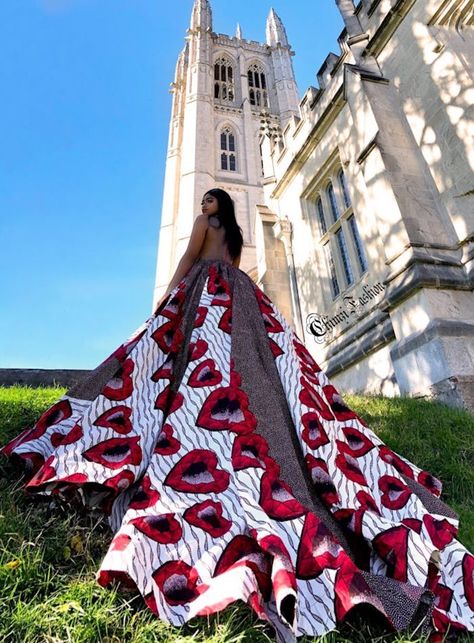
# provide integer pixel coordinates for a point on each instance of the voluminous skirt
(231, 468)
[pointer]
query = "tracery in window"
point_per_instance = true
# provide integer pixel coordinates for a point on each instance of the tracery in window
(335, 290)
(344, 255)
(362, 259)
(345, 190)
(257, 86)
(332, 201)
(224, 90)
(228, 150)
(322, 221)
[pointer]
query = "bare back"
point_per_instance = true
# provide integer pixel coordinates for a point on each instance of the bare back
(214, 245)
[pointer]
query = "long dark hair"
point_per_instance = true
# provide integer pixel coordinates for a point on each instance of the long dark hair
(226, 217)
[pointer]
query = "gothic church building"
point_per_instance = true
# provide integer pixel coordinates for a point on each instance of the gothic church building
(356, 200)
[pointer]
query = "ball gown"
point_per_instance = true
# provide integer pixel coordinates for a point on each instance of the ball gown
(230, 468)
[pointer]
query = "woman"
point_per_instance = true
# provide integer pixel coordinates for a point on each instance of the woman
(231, 468)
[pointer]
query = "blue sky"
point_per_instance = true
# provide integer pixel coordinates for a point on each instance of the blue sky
(83, 128)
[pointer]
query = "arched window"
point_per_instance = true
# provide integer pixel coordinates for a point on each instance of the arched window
(335, 289)
(361, 258)
(344, 256)
(224, 81)
(228, 150)
(332, 201)
(257, 86)
(321, 219)
(345, 190)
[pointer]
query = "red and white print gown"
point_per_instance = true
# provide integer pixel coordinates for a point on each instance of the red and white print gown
(231, 468)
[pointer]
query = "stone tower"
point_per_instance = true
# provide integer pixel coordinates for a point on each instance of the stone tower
(221, 87)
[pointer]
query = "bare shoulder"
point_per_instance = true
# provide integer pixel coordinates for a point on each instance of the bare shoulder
(201, 220)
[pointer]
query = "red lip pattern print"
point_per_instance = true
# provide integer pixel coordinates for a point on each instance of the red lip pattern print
(243, 550)
(208, 516)
(121, 481)
(163, 399)
(311, 398)
(305, 356)
(322, 481)
(218, 287)
(150, 601)
(337, 404)
(205, 374)
(430, 482)
(198, 472)
(249, 450)
(349, 467)
(272, 325)
(318, 550)
(54, 415)
(68, 438)
(227, 409)
(200, 316)
(166, 444)
(441, 532)
(276, 350)
(313, 433)
(168, 336)
(351, 589)
(163, 529)
(165, 372)
(468, 578)
(174, 305)
(178, 582)
(356, 445)
(45, 473)
(392, 547)
(146, 495)
(120, 542)
(277, 499)
(395, 492)
(121, 385)
(263, 302)
(116, 418)
(115, 453)
(225, 322)
(392, 458)
(197, 349)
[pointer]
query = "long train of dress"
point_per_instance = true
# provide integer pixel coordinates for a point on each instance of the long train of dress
(231, 468)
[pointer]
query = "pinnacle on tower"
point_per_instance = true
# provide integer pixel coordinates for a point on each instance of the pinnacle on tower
(276, 33)
(238, 32)
(201, 17)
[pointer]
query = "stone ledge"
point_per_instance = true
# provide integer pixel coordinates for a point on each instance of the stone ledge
(38, 377)
(437, 327)
(372, 341)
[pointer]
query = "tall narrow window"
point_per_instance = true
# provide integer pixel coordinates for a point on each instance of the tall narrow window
(345, 190)
(362, 259)
(332, 202)
(335, 290)
(344, 254)
(224, 81)
(321, 219)
(257, 86)
(228, 150)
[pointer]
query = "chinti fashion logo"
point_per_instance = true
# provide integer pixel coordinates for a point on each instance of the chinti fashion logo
(322, 326)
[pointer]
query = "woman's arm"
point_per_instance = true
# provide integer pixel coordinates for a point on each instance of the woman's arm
(190, 255)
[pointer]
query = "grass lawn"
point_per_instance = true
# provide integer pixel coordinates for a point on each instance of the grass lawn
(48, 558)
